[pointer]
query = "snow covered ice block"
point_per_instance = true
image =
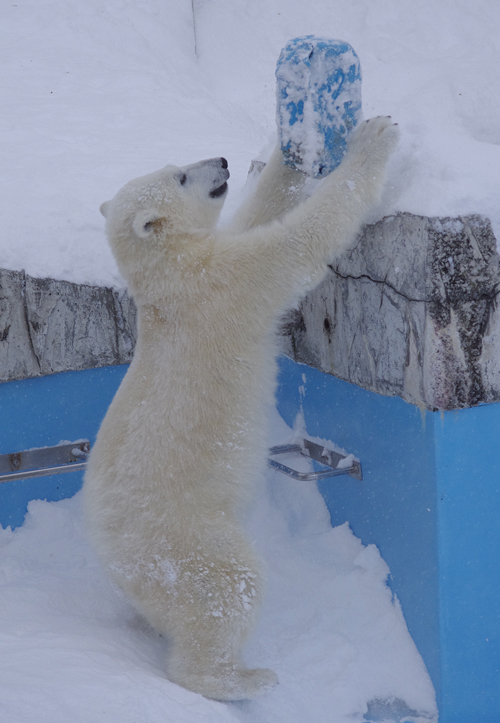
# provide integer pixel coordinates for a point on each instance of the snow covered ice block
(318, 102)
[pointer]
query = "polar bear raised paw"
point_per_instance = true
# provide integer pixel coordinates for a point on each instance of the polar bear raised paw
(375, 137)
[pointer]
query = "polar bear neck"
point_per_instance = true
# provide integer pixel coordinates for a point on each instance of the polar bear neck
(168, 270)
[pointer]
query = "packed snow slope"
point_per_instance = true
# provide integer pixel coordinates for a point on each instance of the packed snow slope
(96, 92)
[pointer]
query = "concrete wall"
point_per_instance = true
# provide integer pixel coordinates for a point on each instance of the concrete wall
(49, 326)
(411, 311)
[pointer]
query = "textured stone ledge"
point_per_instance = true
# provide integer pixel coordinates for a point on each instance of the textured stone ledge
(410, 311)
(49, 326)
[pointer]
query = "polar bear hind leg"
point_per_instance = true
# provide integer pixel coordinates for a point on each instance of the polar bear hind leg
(218, 595)
(205, 605)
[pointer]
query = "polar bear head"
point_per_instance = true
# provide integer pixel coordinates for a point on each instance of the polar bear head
(156, 221)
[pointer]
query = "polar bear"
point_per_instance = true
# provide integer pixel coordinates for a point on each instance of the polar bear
(183, 443)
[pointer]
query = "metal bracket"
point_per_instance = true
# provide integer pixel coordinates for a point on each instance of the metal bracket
(44, 461)
(327, 457)
(72, 457)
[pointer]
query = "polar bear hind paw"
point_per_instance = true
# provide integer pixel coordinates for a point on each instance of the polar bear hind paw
(231, 683)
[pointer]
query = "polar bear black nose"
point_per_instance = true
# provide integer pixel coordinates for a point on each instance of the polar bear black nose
(224, 162)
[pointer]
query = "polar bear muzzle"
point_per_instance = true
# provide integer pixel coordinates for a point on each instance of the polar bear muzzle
(213, 173)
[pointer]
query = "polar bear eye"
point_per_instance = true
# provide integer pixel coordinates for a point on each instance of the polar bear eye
(183, 179)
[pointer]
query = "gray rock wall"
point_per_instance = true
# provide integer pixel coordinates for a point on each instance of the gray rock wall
(49, 326)
(411, 311)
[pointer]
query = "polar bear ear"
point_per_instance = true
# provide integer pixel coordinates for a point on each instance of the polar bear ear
(103, 208)
(144, 221)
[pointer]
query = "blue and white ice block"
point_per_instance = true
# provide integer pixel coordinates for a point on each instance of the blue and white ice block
(318, 102)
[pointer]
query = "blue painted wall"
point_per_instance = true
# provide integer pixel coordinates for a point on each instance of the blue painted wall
(42, 412)
(468, 494)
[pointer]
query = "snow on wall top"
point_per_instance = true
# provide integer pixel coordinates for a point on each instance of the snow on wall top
(95, 93)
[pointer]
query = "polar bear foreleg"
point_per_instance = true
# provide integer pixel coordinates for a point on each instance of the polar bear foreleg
(278, 190)
(288, 258)
(326, 224)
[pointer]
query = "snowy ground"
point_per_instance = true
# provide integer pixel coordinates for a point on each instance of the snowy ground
(71, 648)
(96, 92)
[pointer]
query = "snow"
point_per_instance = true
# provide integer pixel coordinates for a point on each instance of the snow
(96, 92)
(72, 649)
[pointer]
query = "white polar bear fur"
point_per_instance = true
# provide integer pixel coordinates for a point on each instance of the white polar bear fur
(183, 445)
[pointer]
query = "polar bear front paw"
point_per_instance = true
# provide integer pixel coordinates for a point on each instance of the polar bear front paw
(374, 138)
